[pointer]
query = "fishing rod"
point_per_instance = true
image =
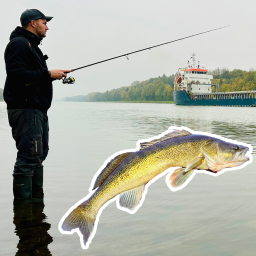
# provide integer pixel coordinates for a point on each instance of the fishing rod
(71, 80)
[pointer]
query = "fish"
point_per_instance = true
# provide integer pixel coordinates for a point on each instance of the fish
(125, 176)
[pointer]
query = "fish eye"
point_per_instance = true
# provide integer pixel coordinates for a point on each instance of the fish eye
(236, 148)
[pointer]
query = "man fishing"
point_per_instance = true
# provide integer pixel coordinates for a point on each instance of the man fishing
(28, 94)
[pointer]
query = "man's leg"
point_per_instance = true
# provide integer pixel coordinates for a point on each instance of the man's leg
(37, 179)
(27, 130)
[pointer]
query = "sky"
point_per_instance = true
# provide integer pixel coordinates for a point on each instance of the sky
(86, 31)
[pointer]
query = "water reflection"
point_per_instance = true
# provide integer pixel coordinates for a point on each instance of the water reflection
(243, 132)
(31, 227)
(237, 131)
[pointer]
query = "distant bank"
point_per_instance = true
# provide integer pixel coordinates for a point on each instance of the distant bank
(160, 89)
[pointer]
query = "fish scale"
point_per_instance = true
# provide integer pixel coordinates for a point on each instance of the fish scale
(144, 169)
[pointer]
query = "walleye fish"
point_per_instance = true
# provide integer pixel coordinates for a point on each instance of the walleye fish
(127, 174)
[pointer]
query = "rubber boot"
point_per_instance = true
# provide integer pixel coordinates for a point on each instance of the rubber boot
(22, 186)
(37, 183)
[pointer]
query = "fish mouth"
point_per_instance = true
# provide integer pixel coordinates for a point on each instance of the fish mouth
(241, 156)
(238, 159)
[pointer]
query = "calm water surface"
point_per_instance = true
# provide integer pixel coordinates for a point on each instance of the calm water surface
(211, 216)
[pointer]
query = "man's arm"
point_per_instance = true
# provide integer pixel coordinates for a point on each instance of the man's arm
(17, 59)
(59, 73)
(17, 65)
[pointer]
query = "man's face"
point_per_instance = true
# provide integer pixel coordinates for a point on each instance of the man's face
(41, 27)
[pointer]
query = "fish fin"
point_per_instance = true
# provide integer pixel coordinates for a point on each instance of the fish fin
(80, 219)
(180, 175)
(195, 163)
(110, 167)
(131, 198)
(173, 134)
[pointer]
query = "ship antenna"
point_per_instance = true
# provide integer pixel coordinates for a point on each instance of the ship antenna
(194, 59)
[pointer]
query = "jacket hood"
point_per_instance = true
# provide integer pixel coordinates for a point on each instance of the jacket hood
(19, 31)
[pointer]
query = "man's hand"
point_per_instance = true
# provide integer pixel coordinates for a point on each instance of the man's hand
(59, 73)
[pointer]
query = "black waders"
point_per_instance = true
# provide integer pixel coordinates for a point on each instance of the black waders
(37, 183)
(30, 131)
(22, 186)
(25, 187)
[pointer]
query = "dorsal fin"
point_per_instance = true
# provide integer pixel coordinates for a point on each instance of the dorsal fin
(110, 167)
(173, 134)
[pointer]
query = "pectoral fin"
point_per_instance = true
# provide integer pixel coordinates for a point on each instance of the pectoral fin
(180, 175)
(195, 163)
(131, 198)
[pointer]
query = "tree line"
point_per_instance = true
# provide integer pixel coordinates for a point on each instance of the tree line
(235, 80)
(153, 89)
(161, 88)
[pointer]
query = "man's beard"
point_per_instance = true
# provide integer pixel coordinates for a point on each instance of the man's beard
(41, 35)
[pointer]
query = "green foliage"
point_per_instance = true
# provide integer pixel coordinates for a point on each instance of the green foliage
(236, 80)
(153, 89)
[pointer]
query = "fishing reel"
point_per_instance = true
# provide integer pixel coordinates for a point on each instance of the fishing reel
(68, 80)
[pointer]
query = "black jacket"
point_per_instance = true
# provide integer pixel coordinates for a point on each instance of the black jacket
(28, 83)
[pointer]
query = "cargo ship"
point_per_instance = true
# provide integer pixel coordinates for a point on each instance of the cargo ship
(193, 87)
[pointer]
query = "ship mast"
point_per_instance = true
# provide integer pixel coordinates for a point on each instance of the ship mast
(193, 57)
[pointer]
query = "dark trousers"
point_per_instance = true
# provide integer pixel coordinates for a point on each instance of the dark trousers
(30, 131)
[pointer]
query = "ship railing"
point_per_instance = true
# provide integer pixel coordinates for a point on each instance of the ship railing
(223, 95)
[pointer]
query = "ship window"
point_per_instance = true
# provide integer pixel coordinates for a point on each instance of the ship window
(192, 72)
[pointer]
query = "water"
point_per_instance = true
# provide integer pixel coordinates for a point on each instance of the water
(211, 216)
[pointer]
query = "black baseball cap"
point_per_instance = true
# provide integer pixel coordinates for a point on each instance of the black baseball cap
(32, 14)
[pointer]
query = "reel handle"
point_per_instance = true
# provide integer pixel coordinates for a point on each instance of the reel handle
(68, 80)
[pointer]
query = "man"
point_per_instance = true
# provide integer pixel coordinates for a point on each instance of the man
(28, 94)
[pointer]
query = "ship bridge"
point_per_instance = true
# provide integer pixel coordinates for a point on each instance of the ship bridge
(194, 78)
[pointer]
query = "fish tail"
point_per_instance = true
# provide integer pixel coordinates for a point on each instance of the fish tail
(82, 219)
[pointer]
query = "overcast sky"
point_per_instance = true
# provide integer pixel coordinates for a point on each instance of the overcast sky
(86, 31)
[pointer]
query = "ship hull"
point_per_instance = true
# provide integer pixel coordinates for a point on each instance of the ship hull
(182, 98)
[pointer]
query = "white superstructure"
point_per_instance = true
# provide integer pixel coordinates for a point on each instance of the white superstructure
(194, 78)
